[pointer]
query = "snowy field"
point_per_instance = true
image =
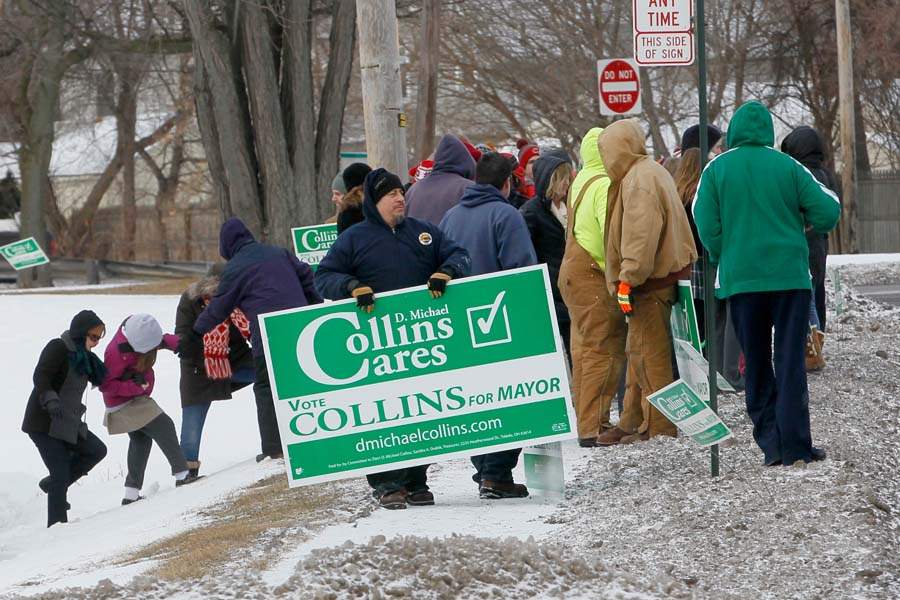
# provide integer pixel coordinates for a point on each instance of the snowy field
(642, 521)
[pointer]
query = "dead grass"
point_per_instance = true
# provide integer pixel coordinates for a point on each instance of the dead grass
(232, 526)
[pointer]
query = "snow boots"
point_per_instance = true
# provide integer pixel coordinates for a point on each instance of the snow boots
(193, 468)
(264, 456)
(815, 341)
(393, 500)
(501, 490)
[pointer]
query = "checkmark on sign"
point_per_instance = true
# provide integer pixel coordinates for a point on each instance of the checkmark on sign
(489, 323)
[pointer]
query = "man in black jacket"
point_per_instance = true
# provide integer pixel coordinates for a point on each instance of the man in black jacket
(545, 215)
(388, 252)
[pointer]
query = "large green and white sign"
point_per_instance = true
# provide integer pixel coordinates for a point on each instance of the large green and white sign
(681, 405)
(24, 254)
(311, 243)
(478, 370)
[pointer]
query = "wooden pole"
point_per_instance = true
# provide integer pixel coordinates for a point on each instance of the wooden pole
(426, 94)
(379, 57)
(848, 225)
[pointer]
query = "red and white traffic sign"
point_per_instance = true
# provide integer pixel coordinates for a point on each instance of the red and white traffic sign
(663, 32)
(619, 86)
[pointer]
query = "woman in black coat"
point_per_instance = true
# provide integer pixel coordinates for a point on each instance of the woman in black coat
(54, 414)
(545, 215)
(208, 375)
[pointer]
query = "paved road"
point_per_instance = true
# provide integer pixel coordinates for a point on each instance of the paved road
(883, 293)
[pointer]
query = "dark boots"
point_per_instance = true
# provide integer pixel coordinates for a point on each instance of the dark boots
(500, 490)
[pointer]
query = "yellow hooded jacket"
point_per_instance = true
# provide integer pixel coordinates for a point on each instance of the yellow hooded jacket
(590, 214)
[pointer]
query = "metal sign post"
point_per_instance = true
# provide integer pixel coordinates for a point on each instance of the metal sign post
(709, 279)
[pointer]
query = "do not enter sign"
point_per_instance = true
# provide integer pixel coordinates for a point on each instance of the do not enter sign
(619, 86)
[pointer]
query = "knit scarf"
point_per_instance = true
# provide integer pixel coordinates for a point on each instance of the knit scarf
(216, 345)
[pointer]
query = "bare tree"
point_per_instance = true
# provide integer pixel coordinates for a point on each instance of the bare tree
(272, 149)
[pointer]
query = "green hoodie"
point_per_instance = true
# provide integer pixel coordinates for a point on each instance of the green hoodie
(752, 206)
(590, 214)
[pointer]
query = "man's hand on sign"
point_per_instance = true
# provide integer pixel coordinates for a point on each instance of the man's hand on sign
(623, 295)
(365, 298)
(437, 284)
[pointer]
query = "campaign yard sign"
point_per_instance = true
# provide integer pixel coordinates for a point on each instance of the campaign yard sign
(681, 405)
(311, 243)
(24, 254)
(478, 370)
(684, 317)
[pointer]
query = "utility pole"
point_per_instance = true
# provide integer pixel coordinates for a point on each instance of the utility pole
(847, 231)
(379, 58)
(426, 94)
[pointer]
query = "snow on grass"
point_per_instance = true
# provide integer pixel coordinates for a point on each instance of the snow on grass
(639, 521)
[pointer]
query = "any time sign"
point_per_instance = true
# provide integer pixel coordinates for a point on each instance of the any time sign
(663, 32)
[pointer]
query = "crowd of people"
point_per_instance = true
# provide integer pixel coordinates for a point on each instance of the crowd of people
(617, 235)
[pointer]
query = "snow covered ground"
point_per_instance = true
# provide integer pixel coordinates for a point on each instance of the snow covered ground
(642, 521)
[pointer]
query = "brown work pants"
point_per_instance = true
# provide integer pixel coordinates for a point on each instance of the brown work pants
(598, 339)
(649, 350)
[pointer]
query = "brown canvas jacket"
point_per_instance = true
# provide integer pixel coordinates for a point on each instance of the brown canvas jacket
(649, 244)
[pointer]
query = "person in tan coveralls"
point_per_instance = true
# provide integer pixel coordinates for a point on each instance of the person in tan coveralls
(649, 247)
(598, 326)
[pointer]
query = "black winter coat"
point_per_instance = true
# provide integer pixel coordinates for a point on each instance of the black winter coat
(195, 386)
(54, 380)
(547, 233)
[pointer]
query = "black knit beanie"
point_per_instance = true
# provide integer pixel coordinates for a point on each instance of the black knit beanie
(355, 175)
(380, 183)
(82, 323)
(691, 137)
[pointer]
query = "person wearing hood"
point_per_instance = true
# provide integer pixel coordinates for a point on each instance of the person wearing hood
(213, 370)
(804, 144)
(496, 237)
(752, 208)
(389, 252)
(258, 278)
(130, 407)
(454, 169)
(649, 247)
(546, 217)
(598, 327)
(54, 415)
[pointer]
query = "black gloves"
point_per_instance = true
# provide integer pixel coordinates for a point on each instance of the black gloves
(137, 377)
(437, 284)
(365, 298)
(54, 409)
(190, 345)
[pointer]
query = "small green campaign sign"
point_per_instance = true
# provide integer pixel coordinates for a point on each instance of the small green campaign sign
(684, 317)
(478, 370)
(311, 243)
(544, 468)
(24, 254)
(683, 407)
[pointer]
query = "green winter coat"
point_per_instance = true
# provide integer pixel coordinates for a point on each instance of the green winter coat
(752, 207)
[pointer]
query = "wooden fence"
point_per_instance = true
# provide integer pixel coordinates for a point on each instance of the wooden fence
(879, 212)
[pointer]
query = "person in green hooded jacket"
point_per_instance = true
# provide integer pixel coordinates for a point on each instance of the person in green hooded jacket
(752, 207)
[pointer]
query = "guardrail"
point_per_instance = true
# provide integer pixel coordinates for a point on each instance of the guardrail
(90, 269)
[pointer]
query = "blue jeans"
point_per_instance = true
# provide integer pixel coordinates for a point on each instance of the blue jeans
(192, 419)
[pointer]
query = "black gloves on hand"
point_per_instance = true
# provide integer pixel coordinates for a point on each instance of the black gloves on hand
(365, 298)
(437, 284)
(190, 344)
(54, 409)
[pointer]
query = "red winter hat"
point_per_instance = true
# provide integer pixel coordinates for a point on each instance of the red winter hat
(526, 154)
(421, 170)
(474, 152)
